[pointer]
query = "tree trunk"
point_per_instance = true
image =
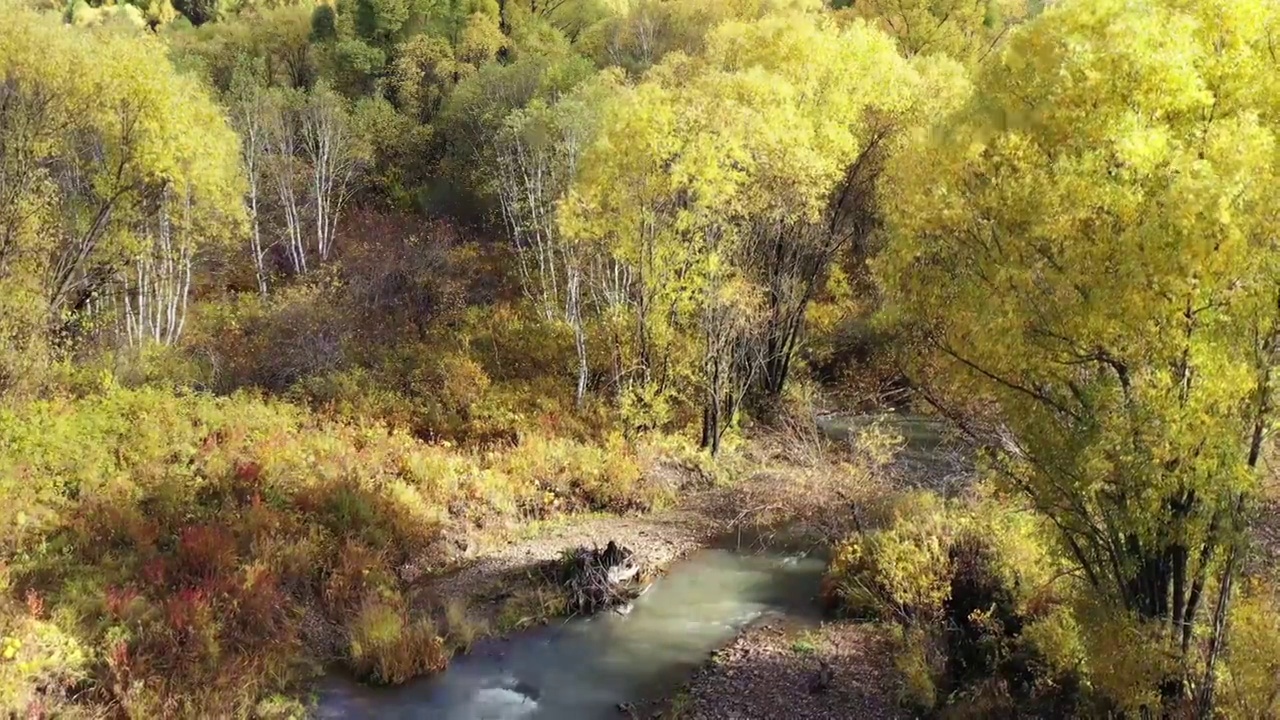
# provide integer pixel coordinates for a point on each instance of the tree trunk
(1208, 686)
(711, 428)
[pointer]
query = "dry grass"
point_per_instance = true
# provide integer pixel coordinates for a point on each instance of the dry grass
(462, 629)
(809, 489)
(531, 605)
(388, 647)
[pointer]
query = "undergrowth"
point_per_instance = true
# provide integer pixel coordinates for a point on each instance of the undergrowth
(988, 621)
(183, 555)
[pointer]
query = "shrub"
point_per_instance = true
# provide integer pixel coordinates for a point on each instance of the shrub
(415, 386)
(1127, 662)
(900, 572)
(198, 556)
(1251, 687)
(461, 630)
(172, 545)
(387, 647)
(916, 660)
(963, 581)
(558, 475)
(251, 341)
(37, 657)
(980, 611)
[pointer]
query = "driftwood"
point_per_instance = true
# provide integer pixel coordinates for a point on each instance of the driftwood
(597, 579)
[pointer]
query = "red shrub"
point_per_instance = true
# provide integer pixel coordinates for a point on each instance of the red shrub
(262, 605)
(35, 603)
(206, 552)
(118, 599)
(155, 571)
(183, 611)
(118, 663)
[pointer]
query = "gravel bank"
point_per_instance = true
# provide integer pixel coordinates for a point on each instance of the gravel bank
(783, 669)
(658, 539)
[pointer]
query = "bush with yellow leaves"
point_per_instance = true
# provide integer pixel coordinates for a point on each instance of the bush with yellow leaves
(387, 647)
(1250, 687)
(961, 580)
(899, 572)
(552, 475)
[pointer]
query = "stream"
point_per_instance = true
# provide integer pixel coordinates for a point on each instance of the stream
(582, 668)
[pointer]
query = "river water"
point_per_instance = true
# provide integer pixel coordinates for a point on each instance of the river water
(582, 668)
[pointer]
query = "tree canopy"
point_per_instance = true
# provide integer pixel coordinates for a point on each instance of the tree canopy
(733, 161)
(95, 158)
(1091, 244)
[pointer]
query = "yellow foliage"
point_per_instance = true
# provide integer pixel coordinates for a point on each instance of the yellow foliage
(902, 571)
(552, 475)
(36, 655)
(1088, 244)
(1250, 686)
(103, 139)
(797, 102)
(1057, 637)
(968, 30)
(386, 647)
(916, 661)
(1126, 659)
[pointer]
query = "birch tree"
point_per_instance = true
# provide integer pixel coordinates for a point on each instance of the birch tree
(250, 109)
(287, 173)
(157, 283)
(93, 151)
(335, 157)
(538, 151)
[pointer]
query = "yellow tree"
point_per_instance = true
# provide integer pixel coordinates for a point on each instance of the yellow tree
(105, 146)
(636, 34)
(710, 166)
(966, 30)
(1092, 244)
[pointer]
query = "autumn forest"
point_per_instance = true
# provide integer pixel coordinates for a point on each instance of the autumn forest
(308, 310)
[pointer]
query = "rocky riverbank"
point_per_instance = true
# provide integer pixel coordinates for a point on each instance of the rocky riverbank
(793, 669)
